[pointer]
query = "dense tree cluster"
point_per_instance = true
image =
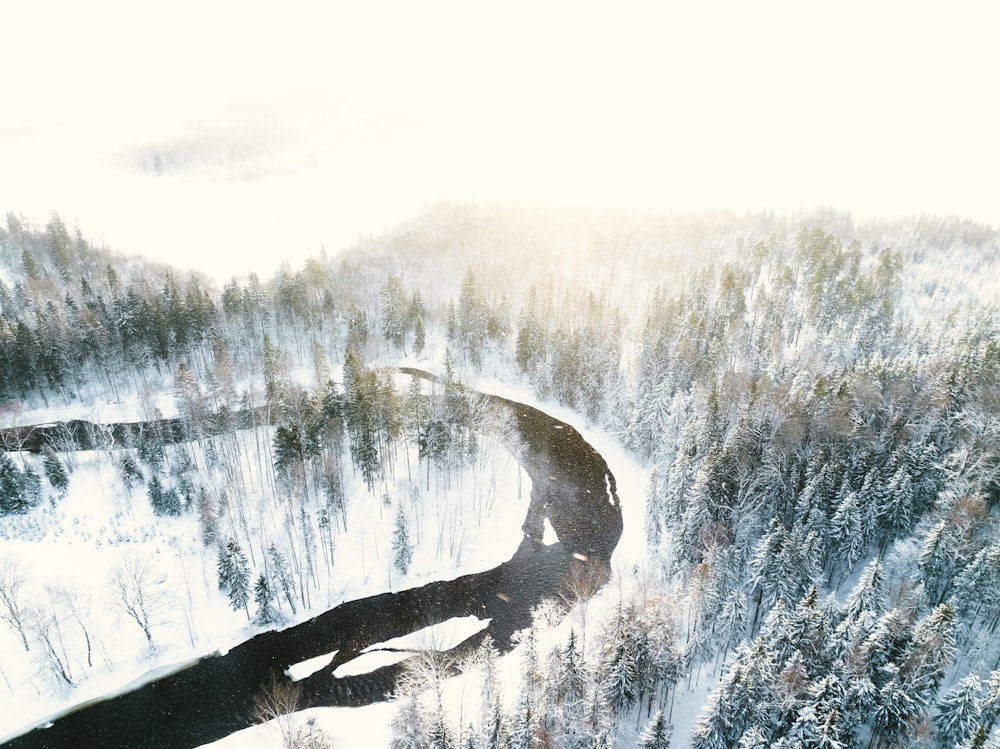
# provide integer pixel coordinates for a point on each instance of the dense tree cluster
(799, 428)
(816, 401)
(562, 697)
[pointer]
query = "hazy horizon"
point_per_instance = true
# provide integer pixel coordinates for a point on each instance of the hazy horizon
(279, 134)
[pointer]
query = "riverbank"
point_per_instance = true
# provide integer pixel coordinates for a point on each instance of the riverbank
(572, 485)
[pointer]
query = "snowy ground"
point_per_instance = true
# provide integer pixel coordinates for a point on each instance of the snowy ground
(74, 544)
(369, 726)
(96, 523)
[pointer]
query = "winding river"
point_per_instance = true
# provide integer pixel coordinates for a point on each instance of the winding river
(571, 485)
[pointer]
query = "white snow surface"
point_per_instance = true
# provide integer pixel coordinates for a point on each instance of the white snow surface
(369, 726)
(306, 668)
(129, 407)
(83, 536)
(441, 636)
(370, 661)
(549, 536)
(75, 543)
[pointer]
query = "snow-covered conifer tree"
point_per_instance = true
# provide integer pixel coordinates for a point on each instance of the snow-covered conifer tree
(409, 725)
(656, 734)
(959, 711)
(281, 571)
(990, 706)
(239, 576)
(55, 472)
(402, 548)
(263, 597)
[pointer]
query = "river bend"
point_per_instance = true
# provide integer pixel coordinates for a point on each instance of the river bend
(572, 486)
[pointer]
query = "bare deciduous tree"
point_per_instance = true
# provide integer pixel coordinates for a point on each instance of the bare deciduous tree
(78, 610)
(45, 626)
(12, 579)
(278, 701)
(140, 591)
(586, 576)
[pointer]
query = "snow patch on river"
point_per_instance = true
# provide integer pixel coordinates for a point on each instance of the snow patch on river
(442, 636)
(549, 536)
(308, 667)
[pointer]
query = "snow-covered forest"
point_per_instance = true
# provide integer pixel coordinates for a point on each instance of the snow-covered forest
(802, 412)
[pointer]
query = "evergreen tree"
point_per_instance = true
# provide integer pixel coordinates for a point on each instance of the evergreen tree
(813, 730)
(712, 731)
(572, 679)
(974, 586)
(402, 549)
(164, 500)
(55, 472)
(772, 576)
(409, 728)
(732, 618)
(959, 711)
(894, 713)
(149, 447)
(439, 735)
(361, 409)
(495, 733)
(129, 471)
(896, 513)
(940, 556)
(868, 598)
(289, 455)
(282, 573)
(848, 535)
(10, 486)
(263, 597)
(275, 375)
(530, 345)
(656, 734)
(237, 572)
(31, 486)
(393, 311)
(419, 336)
(930, 653)
(472, 318)
(208, 517)
(600, 741)
(980, 739)
(828, 733)
(525, 720)
(754, 738)
(620, 680)
(19, 490)
(415, 310)
(489, 690)
(990, 707)
(57, 242)
(224, 568)
(312, 736)
(550, 713)
(357, 330)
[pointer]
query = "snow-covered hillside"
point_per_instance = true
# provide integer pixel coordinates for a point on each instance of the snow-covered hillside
(799, 412)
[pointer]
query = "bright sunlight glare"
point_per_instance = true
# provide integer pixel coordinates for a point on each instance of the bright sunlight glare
(281, 130)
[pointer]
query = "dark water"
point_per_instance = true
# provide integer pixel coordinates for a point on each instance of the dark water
(571, 485)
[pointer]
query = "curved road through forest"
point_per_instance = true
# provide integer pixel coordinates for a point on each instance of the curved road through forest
(571, 485)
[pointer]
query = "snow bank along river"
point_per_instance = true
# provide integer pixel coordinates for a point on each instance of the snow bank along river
(572, 487)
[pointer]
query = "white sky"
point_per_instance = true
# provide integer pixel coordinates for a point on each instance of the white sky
(375, 110)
